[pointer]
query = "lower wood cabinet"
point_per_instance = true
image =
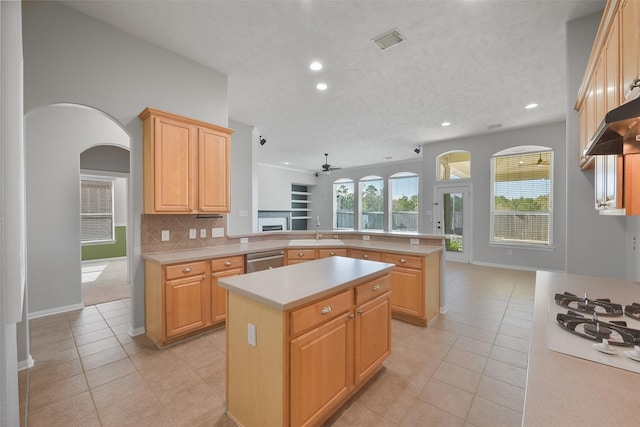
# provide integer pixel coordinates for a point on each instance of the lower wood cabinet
(332, 346)
(295, 256)
(184, 299)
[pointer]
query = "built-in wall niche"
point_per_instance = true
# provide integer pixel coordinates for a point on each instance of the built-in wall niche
(300, 206)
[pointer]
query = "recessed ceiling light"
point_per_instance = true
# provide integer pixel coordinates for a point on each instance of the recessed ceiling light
(285, 163)
(531, 106)
(315, 66)
(321, 86)
(445, 124)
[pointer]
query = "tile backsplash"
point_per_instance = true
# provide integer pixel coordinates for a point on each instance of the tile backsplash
(178, 227)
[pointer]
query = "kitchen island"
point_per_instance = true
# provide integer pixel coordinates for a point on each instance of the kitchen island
(304, 338)
(567, 390)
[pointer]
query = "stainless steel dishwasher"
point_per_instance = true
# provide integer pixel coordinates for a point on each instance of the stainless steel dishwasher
(257, 261)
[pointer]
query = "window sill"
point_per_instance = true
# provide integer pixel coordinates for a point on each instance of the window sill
(100, 242)
(548, 248)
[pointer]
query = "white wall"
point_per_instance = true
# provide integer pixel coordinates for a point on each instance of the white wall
(13, 327)
(274, 186)
(596, 243)
(74, 58)
(55, 137)
(239, 220)
(482, 147)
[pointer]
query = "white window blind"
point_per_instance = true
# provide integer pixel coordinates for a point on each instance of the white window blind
(96, 210)
(521, 208)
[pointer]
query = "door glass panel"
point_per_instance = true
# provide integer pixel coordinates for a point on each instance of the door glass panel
(452, 208)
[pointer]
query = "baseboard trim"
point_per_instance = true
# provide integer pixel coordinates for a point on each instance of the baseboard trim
(26, 364)
(136, 332)
(57, 310)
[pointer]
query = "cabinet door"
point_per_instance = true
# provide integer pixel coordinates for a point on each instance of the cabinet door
(219, 294)
(321, 370)
(600, 182)
(174, 162)
(612, 67)
(407, 286)
(629, 45)
(213, 171)
(372, 336)
(186, 304)
(362, 254)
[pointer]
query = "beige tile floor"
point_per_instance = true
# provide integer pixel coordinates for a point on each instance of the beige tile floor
(467, 369)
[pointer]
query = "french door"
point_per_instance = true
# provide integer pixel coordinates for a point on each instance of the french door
(451, 218)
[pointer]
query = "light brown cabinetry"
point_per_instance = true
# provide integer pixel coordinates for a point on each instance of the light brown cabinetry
(629, 21)
(332, 346)
(185, 164)
(222, 267)
(365, 254)
(295, 256)
(184, 299)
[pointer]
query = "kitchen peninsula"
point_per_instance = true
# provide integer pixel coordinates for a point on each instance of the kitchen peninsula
(302, 339)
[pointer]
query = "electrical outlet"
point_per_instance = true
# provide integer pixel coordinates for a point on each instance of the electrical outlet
(165, 236)
(414, 241)
(244, 240)
(509, 252)
(251, 334)
(365, 237)
(192, 233)
(217, 232)
(203, 233)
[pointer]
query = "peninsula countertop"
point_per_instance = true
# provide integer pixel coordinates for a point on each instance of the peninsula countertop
(289, 287)
(190, 255)
(567, 390)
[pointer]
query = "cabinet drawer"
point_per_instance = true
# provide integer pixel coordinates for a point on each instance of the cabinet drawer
(325, 253)
(368, 255)
(301, 254)
(322, 311)
(185, 270)
(373, 289)
(403, 260)
(221, 264)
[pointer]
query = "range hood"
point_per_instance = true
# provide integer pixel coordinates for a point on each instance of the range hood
(619, 132)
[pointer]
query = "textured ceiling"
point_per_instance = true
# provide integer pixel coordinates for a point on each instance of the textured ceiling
(473, 63)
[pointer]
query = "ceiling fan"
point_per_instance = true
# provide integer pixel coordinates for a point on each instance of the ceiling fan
(536, 162)
(326, 167)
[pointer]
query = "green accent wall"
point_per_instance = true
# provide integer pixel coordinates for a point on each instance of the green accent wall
(111, 250)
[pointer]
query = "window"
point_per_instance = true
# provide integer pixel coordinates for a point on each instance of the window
(344, 212)
(371, 203)
(96, 210)
(404, 201)
(454, 165)
(521, 208)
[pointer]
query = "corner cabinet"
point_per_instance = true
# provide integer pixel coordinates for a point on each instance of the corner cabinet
(185, 165)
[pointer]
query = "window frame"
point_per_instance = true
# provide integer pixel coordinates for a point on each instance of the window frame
(111, 180)
(366, 179)
(512, 152)
(438, 164)
(335, 185)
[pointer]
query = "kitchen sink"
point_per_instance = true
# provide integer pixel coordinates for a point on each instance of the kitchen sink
(314, 242)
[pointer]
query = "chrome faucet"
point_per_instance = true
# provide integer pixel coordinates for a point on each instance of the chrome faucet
(318, 235)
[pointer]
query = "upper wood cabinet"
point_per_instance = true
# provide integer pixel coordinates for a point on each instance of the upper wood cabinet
(611, 71)
(185, 165)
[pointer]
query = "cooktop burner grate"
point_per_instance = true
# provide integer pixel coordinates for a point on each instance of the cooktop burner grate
(616, 332)
(601, 306)
(633, 310)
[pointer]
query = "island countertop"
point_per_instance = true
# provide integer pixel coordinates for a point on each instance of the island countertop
(289, 287)
(568, 390)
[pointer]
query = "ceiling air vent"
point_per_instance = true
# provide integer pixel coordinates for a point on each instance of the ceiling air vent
(389, 39)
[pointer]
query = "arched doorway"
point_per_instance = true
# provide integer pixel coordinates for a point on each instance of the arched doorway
(55, 136)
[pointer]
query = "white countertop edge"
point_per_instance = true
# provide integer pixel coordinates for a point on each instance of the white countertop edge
(324, 277)
(209, 252)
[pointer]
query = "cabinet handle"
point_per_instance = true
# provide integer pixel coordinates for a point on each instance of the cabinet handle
(326, 310)
(351, 316)
(214, 274)
(365, 256)
(187, 270)
(300, 254)
(332, 254)
(360, 311)
(227, 264)
(402, 260)
(204, 276)
(376, 287)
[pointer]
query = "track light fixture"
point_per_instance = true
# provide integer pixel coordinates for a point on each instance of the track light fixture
(417, 150)
(262, 140)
